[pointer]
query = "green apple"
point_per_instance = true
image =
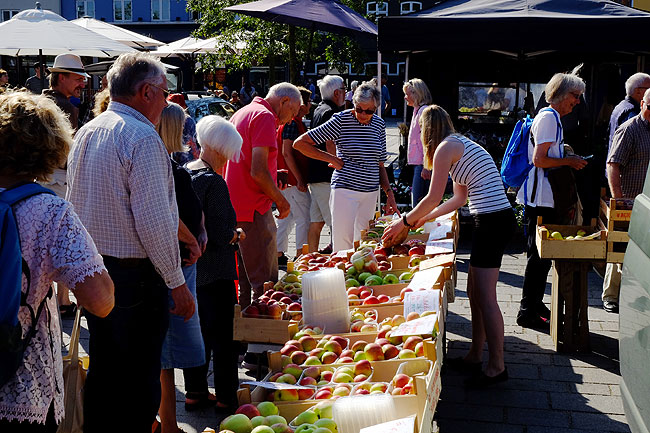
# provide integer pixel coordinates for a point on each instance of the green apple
(322, 430)
(274, 419)
(306, 428)
(324, 409)
(364, 276)
(263, 429)
(238, 423)
(351, 282)
(258, 420)
(281, 428)
(351, 272)
(390, 279)
(406, 276)
(306, 417)
(267, 408)
(328, 424)
(373, 280)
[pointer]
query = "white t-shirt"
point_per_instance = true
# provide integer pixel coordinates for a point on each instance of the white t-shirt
(544, 129)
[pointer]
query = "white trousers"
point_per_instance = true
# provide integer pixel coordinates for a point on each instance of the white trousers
(351, 211)
(299, 202)
(612, 282)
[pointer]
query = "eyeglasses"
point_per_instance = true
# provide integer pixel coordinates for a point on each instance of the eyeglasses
(360, 111)
(575, 95)
(165, 91)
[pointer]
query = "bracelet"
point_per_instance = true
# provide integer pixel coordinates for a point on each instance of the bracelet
(236, 241)
(406, 222)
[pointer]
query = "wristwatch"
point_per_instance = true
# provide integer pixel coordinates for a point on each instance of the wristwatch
(406, 222)
(236, 241)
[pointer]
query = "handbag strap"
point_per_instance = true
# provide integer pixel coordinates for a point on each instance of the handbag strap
(74, 338)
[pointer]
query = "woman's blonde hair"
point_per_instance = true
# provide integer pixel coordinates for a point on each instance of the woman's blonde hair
(561, 84)
(102, 99)
(435, 126)
(421, 93)
(170, 127)
(35, 135)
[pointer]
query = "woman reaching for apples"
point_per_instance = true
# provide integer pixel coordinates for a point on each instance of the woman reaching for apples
(475, 176)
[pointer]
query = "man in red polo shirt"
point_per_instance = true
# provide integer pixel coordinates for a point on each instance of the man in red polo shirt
(252, 183)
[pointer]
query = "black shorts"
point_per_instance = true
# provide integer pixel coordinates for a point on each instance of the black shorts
(492, 232)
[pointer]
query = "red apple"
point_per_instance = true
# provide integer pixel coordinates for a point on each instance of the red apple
(250, 410)
(383, 299)
(401, 380)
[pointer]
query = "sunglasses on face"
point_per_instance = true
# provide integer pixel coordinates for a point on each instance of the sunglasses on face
(165, 91)
(360, 111)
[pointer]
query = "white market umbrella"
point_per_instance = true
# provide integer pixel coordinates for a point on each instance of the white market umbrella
(204, 46)
(40, 32)
(176, 48)
(124, 36)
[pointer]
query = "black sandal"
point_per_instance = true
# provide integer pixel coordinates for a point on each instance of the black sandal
(483, 381)
(460, 365)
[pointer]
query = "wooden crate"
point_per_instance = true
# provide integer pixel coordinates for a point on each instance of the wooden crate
(252, 330)
(614, 217)
(549, 248)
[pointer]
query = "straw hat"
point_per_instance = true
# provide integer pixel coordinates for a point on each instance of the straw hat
(69, 63)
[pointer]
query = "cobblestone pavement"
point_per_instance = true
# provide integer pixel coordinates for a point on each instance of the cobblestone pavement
(547, 391)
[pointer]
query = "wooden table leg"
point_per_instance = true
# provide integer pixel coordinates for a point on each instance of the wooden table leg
(569, 319)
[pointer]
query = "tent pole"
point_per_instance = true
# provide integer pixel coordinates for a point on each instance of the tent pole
(379, 81)
(406, 78)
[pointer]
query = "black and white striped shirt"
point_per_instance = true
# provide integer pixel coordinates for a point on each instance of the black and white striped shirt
(476, 170)
(361, 147)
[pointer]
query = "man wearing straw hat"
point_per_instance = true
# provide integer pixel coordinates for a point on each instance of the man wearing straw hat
(68, 79)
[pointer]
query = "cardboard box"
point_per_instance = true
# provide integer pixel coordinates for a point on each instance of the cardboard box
(252, 330)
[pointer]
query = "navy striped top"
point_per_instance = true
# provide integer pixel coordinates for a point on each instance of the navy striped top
(361, 147)
(476, 169)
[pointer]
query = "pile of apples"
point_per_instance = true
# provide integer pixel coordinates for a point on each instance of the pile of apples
(363, 321)
(315, 418)
(402, 384)
(289, 283)
(324, 375)
(249, 418)
(316, 261)
(272, 304)
(308, 351)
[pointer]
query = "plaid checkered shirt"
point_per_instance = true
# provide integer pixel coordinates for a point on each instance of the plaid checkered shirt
(631, 149)
(120, 182)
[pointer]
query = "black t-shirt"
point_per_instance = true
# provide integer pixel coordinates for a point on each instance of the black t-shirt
(319, 171)
(189, 206)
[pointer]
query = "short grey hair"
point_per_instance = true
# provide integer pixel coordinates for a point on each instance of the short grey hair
(354, 85)
(216, 133)
(328, 85)
(130, 71)
(646, 97)
(561, 84)
(635, 81)
(367, 91)
(284, 89)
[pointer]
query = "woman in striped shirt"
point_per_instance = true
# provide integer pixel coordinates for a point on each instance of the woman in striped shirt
(360, 138)
(476, 177)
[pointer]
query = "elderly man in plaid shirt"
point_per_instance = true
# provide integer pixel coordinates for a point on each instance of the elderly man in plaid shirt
(120, 182)
(627, 165)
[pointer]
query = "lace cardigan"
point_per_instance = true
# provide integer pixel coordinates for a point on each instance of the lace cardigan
(56, 247)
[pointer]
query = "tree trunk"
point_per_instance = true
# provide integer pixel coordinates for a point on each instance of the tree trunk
(293, 70)
(271, 69)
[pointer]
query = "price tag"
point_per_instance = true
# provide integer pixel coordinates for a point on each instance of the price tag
(403, 425)
(276, 385)
(438, 229)
(444, 246)
(421, 301)
(426, 279)
(422, 326)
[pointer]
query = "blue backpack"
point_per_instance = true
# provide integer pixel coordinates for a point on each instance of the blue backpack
(12, 345)
(515, 165)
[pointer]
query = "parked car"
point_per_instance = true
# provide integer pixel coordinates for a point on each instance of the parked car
(634, 319)
(199, 105)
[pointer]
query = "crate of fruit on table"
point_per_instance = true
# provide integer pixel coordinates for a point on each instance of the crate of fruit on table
(615, 217)
(570, 242)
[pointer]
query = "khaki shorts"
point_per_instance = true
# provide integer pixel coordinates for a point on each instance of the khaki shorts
(319, 209)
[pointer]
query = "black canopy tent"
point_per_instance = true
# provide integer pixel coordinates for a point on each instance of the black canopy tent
(518, 26)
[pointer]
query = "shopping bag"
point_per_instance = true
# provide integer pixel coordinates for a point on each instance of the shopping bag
(74, 378)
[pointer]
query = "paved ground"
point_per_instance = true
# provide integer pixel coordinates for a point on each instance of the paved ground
(547, 391)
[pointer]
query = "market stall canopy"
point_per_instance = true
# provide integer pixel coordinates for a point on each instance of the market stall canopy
(327, 15)
(127, 37)
(519, 26)
(176, 48)
(203, 46)
(34, 30)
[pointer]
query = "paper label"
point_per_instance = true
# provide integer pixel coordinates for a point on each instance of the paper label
(426, 279)
(422, 326)
(276, 385)
(444, 246)
(403, 425)
(421, 301)
(438, 229)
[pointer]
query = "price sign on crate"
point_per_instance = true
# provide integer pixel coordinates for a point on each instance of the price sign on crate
(403, 425)
(422, 326)
(426, 279)
(439, 247)
(421, 301)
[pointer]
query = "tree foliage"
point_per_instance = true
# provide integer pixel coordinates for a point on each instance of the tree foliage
(248, 41)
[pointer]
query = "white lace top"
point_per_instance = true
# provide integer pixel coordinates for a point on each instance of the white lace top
(56, 247)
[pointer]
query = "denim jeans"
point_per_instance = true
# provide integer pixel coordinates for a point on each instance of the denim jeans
(420, 186)
(122, 391)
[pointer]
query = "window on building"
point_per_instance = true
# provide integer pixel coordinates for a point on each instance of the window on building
(85, 8)
(377, 8)
(7, 14)
(122, 10)
(196, 16)
(160, 10)
(409, 7)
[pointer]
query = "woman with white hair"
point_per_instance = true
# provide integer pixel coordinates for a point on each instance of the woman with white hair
(545, 151)
(417, 95)
(360, 138)
(220, 142)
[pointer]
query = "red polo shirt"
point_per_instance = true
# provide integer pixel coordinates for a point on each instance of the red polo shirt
(257, 125)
